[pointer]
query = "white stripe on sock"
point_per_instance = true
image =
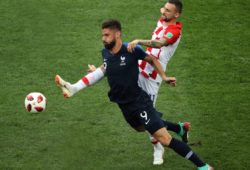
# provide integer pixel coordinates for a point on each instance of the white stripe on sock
(189, 155)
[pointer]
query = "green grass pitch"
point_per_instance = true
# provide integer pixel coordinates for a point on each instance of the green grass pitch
(42, 38)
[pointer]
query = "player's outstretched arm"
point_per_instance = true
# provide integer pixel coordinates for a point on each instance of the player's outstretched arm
(149, 43)
(90, 79)
(157, 66)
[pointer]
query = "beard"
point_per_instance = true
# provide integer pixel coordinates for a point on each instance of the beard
(110, 45)
(167, 19)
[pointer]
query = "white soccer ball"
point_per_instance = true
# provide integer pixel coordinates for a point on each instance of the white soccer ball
(35, 102)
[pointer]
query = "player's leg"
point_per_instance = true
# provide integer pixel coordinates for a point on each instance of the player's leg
(158, 151)
(131, 119)
(157, 146)
(180, 148)
(182, 129)
(152, 122)
(151, 88)
(67, 89)
(70, 89)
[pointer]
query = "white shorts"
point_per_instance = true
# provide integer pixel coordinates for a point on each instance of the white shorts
(150, 87)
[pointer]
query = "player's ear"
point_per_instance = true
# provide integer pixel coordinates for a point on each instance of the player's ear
(118, 34)
(177, 14)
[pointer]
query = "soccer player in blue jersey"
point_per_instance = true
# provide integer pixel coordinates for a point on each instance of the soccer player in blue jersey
(165, 39)
(121, 69)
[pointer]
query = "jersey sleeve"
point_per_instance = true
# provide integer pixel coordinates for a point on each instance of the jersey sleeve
(103, 51)
(171, 35)
(139, 52)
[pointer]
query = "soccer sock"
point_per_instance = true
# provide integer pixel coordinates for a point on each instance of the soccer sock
(79, 85)
(153, 140)
(185, 151)
(88, 80)
(174, 127)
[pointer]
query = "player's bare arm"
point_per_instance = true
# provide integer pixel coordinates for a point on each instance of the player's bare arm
(149, 43)
(157, 66)
(153, 43)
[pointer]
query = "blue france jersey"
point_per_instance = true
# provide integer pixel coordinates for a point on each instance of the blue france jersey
(122, 73)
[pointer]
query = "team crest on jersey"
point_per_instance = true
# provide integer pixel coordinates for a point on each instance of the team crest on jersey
(169, 35)
(122, 61)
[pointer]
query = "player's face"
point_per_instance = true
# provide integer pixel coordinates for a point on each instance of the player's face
(109, 38)
(169, 12)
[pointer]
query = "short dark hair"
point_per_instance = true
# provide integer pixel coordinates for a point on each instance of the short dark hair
(178, 4)
(112, 24)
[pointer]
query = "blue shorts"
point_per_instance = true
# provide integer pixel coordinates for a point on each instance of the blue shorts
(142, 113)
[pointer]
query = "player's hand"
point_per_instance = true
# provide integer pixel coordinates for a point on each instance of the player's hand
(131, 45)
(91, 68)
(170, 80)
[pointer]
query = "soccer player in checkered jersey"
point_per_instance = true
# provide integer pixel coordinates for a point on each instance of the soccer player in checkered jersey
(164, 42)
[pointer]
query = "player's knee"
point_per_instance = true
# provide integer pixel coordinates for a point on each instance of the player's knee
(163, 136)
(165, 140)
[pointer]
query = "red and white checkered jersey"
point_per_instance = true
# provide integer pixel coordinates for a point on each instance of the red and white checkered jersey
(172, 33)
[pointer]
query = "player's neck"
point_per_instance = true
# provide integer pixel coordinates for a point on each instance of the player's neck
(171, 22)
(117, 47)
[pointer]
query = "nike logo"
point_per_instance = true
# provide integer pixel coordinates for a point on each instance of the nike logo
(147, 121)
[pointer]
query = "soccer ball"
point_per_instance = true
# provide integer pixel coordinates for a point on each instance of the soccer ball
(35, 102)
